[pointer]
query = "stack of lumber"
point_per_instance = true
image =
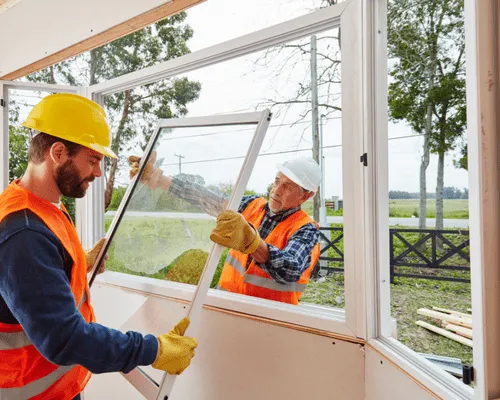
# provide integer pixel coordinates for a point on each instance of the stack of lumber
(455, 325)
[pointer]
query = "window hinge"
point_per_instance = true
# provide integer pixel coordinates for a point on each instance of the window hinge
(2, 102)
(468, 374)
(364, 159)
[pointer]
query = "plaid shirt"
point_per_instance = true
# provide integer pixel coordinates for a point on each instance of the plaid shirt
(283, 266)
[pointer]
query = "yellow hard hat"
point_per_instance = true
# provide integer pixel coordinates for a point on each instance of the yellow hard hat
(73, 118)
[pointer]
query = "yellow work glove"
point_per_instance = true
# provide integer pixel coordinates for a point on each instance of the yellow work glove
(175, 351)
(151, 175)
(92, 254)
(233, 231)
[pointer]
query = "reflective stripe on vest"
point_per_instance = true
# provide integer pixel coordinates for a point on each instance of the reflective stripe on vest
(32, 389)
(17, 340)
(273, 285)
(264, 282)
(233, 262)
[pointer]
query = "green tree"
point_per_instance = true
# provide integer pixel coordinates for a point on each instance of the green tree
(462, 162)
(18, 150)
(134, 112)
(427, 73)
(117, 197)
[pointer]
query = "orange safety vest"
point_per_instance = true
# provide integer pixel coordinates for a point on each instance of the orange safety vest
(24, 372)
(254, 281)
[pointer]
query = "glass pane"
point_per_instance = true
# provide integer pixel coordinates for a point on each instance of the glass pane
(246, 17)
(165, 230)
(428, 198)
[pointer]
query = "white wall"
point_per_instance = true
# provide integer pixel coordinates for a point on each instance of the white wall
(63, 24)
(242, 358)
(238, 358)
(386, 382)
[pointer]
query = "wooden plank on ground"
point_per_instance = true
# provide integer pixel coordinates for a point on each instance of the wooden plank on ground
(445, 310)
(445, 333)
(461, 330)
(454, 319)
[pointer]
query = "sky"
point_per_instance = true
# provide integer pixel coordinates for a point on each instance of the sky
(239, 86)
(229, 19)
(244, 84)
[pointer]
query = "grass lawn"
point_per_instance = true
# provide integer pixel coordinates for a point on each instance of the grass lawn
(147, 245)
(410, 295)
(407, 208)
(407, 296)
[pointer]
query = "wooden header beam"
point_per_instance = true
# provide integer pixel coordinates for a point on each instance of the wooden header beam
(118, 31)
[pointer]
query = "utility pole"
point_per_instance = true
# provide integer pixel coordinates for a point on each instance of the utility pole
(322, 213)
(180, 162)
(315, 130)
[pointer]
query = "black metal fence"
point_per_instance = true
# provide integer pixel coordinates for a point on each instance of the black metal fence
(414, 253)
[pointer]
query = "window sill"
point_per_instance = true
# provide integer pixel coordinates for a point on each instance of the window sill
(321, 318)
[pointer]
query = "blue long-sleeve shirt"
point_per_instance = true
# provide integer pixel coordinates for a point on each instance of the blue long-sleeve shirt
(35, 292)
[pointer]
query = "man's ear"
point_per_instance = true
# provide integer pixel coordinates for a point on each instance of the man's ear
(58, 153)
(307, 195)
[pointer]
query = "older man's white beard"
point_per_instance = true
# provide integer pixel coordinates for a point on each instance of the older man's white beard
(274, 211)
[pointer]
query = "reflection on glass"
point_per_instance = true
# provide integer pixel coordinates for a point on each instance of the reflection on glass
(165, 230)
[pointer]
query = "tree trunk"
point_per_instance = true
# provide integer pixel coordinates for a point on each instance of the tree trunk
(95, 59)
(315, 123)
(439, 192)
(52, 77)
(115, 145)
(425, 157)
(424, 163)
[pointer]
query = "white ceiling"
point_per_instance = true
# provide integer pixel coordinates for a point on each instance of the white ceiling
(31, 30)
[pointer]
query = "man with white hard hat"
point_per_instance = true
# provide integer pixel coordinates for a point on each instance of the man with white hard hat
(273, 244)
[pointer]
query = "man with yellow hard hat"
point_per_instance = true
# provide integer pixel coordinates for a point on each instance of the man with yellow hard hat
(273, 244)
(49, 340)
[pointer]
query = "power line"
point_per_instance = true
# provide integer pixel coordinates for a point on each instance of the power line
(274, 153)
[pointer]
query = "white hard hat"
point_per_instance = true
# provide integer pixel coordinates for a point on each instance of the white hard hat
(303, 171)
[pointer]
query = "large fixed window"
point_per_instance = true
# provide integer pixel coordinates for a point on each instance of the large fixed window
(242, 75)
(417, 195)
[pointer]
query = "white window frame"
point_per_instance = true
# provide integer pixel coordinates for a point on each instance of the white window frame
(376, 215)
(345, 323)
(5, 86)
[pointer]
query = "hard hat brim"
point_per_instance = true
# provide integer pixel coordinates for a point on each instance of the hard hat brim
(106, 151)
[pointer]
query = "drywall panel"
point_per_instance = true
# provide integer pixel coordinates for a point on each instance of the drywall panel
(34, 30)
(238, 357)
(380, 371)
